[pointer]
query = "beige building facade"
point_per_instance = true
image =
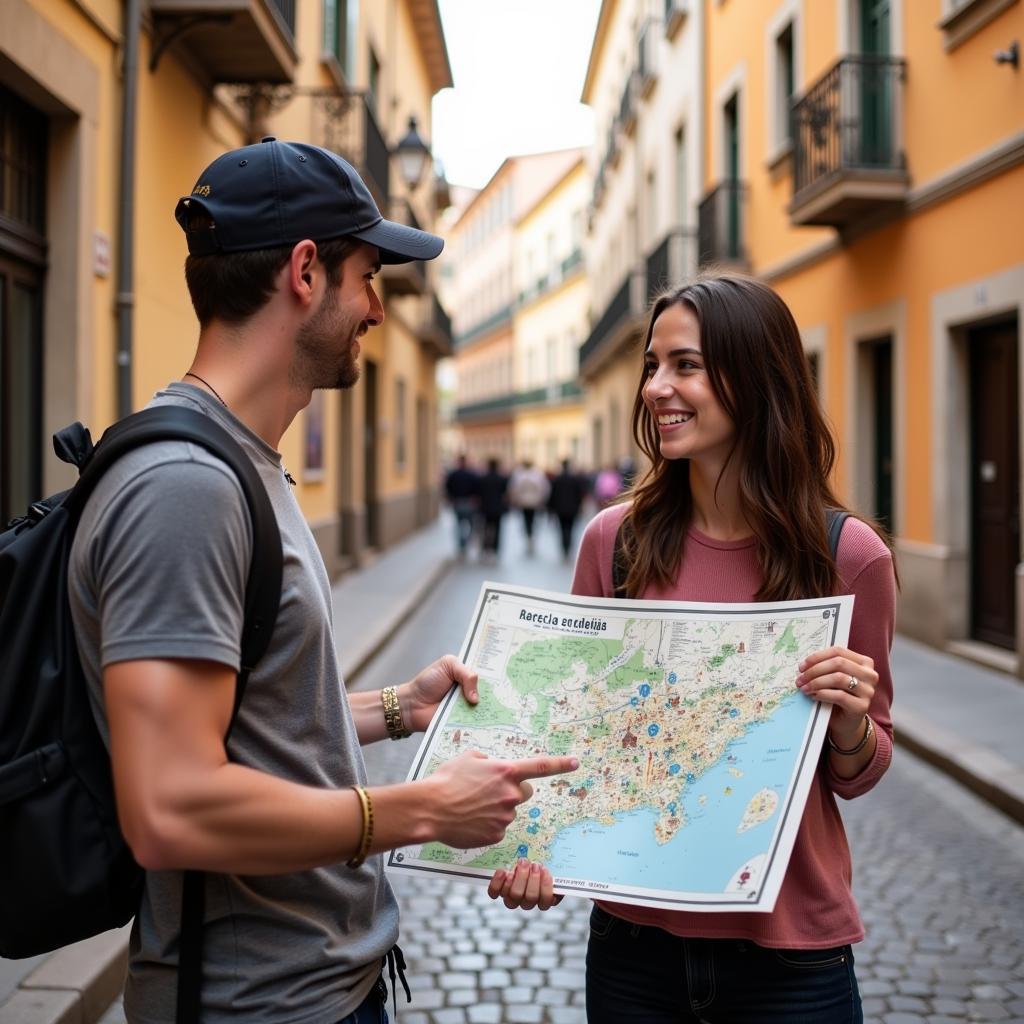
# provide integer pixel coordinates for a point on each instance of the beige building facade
(866, 158)
(645, 87)
(107, 122)
(485, 300)
(550, 322)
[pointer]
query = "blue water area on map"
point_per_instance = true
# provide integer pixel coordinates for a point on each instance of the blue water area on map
(707, 851)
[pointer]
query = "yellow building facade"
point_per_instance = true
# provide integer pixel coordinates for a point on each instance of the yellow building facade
(110, 112)
(486, 294)
(866, 158)
(549, 324)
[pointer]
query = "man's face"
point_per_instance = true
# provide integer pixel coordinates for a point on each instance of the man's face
(328, 342)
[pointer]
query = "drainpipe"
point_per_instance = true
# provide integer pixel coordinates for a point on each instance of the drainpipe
(126, 227)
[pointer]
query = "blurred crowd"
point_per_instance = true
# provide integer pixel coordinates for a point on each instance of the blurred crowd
(481, 496)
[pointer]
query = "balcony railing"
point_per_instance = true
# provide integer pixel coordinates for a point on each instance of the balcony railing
(436, 325)
(720, 225)
(235, 41)
(675, 14)
(556, 393)
(848, 141)
(627, 105)
(647, 56)
(499, 318)
(671, 262)
(619, 320)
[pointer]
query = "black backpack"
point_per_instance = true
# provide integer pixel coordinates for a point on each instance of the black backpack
(66, 872)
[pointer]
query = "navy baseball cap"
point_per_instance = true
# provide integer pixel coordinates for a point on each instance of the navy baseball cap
(275, 193)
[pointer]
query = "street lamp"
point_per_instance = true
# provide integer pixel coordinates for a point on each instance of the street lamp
(413, 154)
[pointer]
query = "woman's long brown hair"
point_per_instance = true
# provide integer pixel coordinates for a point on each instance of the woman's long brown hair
(757, 368)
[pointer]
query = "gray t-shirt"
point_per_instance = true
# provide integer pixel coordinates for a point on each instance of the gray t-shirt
(158, 570)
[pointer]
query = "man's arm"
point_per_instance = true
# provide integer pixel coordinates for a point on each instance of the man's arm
(183, 805)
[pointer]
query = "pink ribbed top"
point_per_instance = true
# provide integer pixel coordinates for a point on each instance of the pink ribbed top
(815, 908)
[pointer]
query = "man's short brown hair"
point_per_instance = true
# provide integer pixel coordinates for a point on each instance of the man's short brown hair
(233, 286)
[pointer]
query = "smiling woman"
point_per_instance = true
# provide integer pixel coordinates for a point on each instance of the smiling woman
(733, 509)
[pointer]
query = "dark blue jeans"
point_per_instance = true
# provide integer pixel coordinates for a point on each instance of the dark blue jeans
(642, 974)
(371, 1009)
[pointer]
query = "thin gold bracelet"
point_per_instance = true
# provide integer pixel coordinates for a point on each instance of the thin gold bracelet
(364, 846)
(869, 729)
(393, 713)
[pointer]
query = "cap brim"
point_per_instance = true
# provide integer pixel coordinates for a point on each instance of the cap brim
(399, 243)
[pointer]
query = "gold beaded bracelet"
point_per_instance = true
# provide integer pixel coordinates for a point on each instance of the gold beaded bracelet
(393, 714)
(860, 746)
(364, 844)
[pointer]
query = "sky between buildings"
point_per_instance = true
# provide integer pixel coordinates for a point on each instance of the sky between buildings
(518, 68)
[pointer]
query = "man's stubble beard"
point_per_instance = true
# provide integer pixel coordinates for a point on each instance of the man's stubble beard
(324, 346)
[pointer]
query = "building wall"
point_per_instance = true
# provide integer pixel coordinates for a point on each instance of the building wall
(923, 272)
(64, 58)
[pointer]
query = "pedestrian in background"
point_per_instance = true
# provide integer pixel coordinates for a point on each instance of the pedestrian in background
(564, 502)
(733, 509)
(528, 490)
(284, 241)
(462, 488)
(493, 506)
(607, 486)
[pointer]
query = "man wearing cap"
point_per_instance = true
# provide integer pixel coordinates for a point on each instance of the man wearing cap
(284, 240)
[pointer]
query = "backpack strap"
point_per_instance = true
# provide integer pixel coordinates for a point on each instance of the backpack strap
(619, 568)
(834, 519)
(262, 599)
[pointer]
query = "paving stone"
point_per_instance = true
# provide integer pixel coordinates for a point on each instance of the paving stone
(467, 962)
(414, 1018)
(483, 1013)
(908, 1004)
(524, 1014)
(950, 1007)
(995, 993)
(495, 978)
(529, 977)
(453, 1015)
(873, 1008)
(428, 999)
(987, 1011)
(567, 1015)
(507, 960)
(463, 997)
(552, 997)
(903, 1018)
(516, 994)
(546, 962)
(567, 979)
(456, 980)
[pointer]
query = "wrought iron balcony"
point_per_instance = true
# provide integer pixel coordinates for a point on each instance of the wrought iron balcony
(231, 40)
(721, 227)
(675, 14)
(357, 137)
(619, 322)
(555, 393)
(647, 57)
(500, 318)
(671, 262)
(628, 104)
(435, 325)
(404, 278)
(848, 158)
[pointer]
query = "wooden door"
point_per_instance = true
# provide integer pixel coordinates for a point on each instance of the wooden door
(995, 483)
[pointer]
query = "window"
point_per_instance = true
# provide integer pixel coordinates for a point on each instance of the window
(682, 197)
(341, 18)
(785, 83)
(373, 82)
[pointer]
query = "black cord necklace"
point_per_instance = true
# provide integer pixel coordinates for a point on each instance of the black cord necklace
(189, 373)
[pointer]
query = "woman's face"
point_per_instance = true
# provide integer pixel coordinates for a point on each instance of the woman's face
(690, 420)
